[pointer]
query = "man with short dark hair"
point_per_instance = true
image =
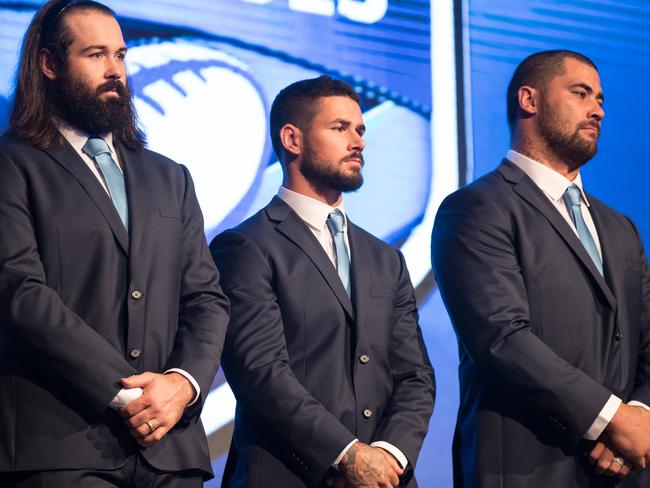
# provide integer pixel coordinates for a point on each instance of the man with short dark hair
(111, 317)
(323, 351)
(548, 290)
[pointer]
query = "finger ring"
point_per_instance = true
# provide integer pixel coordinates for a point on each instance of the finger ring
(618, 460)
(152, 427)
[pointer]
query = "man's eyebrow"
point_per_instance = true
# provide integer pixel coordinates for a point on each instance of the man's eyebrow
(589, 89)
(101, 47)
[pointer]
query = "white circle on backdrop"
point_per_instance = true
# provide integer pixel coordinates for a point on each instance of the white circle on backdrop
(213, 120)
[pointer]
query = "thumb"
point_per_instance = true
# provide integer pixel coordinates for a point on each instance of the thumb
(138, 380)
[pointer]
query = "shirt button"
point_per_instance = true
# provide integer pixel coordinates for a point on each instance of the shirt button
(364, 358)
(618, 336)
(136, 294)
(367, 413)
(135, 353)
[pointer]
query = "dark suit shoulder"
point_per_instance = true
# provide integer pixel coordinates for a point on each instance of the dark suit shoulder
(490, 185)
(16, 149)
(256, 227)
(252, 231)
(371, 240)
(149, 157)
(485, 200)
(610, 213)
(158, 159)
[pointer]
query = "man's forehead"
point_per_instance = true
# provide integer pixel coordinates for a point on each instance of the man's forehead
(337, 104)
(93, 25)
(575, 69)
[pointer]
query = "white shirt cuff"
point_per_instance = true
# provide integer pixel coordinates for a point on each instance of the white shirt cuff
(604, 418)
(336, 462)
(124, 397)
(399, 455)
(635, 403)
(190, 378)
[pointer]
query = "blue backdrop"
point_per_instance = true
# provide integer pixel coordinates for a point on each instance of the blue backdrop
(210, 69)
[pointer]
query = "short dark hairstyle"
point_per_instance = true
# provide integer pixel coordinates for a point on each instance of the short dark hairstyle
(297, 104)
(33, 104)
(536, 71)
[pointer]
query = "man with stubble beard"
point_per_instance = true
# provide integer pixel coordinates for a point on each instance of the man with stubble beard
(323, 351)
(111, 317)
(548, 290)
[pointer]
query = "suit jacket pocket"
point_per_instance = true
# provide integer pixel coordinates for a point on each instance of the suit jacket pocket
(382, 292)
(170, 212)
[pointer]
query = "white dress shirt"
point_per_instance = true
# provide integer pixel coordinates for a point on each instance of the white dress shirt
(554, 185)
(314, 214)
(77, 138)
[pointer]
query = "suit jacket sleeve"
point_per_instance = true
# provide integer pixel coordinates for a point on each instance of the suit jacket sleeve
(481, 282)
(203, 310)
(641, 390)
(34, 320)
(255, 360)
(406, 420)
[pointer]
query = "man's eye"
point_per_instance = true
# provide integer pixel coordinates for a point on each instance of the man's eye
(581, 94)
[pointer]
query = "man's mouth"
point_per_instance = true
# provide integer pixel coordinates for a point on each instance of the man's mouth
(592, 128)
(114, 88)
(356, 158)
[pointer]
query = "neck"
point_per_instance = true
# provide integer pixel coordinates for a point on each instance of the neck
(313, 190)
(538, 150)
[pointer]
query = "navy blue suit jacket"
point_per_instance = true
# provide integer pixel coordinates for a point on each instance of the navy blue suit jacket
(69, 320)
(311, 368)
(543, 338)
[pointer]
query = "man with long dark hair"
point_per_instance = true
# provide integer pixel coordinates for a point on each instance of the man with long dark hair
(111, 316)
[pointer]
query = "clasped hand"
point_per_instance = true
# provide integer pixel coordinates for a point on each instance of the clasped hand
(163, 401)
(625, 444)
(364, 466)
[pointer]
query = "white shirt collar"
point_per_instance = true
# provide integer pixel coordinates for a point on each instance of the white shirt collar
(548, 180)
(313, 212)
(77, 138)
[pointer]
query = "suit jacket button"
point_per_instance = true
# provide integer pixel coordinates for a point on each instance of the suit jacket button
(367, 413)
(364, 358)
(619, 335)
(135, 353)
(136, 294)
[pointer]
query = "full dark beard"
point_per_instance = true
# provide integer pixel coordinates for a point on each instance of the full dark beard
(324, 173)
(572, 148)
(81, 107)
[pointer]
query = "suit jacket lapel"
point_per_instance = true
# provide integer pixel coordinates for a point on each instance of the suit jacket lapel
(531, 193)
(66, 156)
(294, 229)
(608, 245)
(136, 184)
(359, 275)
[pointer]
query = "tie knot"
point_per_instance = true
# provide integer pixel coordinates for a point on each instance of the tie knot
(335, 222)
(95, 146)
(572, 195)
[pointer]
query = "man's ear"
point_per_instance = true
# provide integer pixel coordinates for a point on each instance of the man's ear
(49, 65)
(528, 99)
(291, 138)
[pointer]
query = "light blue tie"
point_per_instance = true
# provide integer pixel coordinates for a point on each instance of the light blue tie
(335, 222)
(97, 148)
(572, 201)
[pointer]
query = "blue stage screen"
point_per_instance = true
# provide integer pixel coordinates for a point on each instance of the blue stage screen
(209, 70)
